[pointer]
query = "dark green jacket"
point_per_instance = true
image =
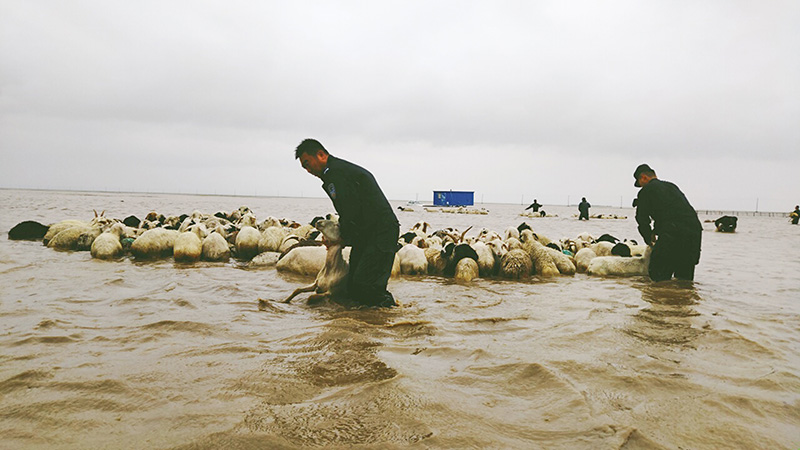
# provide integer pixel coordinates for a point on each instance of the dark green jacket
(669, 209)
(365, 216)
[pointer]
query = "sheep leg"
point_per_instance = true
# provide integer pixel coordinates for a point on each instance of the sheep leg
(316, 298)
(300, 290)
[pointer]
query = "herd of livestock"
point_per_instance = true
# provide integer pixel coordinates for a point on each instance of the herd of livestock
(515, 253)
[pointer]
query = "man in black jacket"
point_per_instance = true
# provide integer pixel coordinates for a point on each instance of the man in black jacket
(534, 207)
(583, 208)
(366, 221)
(676, 232)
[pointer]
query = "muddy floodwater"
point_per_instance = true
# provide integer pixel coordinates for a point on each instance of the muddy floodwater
(160, 355)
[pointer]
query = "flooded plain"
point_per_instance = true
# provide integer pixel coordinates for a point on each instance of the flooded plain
(125, 354)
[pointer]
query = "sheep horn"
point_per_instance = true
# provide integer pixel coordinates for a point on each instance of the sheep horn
(464, 233)
(95, 213)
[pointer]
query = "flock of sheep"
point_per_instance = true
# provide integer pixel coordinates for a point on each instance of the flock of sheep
(518, 253)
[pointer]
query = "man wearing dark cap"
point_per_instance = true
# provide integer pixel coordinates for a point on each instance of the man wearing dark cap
(366, 220)
(676, 231)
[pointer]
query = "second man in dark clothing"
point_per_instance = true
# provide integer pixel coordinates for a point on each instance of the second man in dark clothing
(583, 208)
(366, 221)
(676, 231)
(534, 207)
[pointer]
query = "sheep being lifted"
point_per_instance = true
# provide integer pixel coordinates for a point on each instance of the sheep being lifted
(330, 280)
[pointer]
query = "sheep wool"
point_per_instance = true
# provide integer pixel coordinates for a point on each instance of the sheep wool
(154, 243)
(619, 265)
(58, 227)
(271, 239)
(108, 245)
(303, 260)
(215, 248)
(68, 238)
(516, 264)
(247, 242)
(466, 270)
(583, 258)
(188, 247)
(541, 258)
(412, 260)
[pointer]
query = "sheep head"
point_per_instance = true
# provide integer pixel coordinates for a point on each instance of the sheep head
(330, 229)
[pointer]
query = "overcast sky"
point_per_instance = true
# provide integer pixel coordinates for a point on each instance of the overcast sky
(513, 100)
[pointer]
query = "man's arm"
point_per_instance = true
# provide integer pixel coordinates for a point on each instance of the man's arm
(643, 218)
(348, 206)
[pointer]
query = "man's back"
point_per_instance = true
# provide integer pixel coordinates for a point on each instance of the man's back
(668, 207)
(362, 206)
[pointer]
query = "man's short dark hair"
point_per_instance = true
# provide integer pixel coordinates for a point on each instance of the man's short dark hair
(309, 147)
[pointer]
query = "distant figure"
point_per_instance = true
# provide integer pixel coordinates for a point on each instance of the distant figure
(676, 232)
(795, 215)
(542, 213)
(583, 207)
(534, 207)
(726, 224)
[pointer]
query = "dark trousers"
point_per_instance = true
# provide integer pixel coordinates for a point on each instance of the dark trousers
(676, 256)
(370, 269)
(583, 215)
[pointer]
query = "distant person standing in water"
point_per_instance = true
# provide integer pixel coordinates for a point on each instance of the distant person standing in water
(366, 221)
(583, 208)
(795, 215)
(534, 207)
(676, 232)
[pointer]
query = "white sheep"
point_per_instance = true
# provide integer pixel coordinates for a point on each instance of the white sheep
(67, 239)
(154, 243)
(412, 260)
(269, 222)
(516, 264)
(542, 259)
(58, 227)
(265, 259)
(466, 270)
(512, 232)
(487, 235)
(436, 260)
(189, 245)
(513, 243)
(108, 245)
(602, 248)
(620, 265)
(271, 239)
(303, 260)
(396, 272)
(331, 279)
(563, 262)
(215, 247)
(247, 241)
(583, 258)
(486, 259)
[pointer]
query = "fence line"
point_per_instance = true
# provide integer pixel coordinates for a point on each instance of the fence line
(742, 213)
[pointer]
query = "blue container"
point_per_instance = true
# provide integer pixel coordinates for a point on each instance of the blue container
(453, 198)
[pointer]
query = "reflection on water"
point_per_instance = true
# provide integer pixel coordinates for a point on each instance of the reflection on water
(667, 316)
